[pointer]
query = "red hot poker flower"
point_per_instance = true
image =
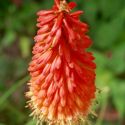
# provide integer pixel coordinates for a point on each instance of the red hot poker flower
(62, 71)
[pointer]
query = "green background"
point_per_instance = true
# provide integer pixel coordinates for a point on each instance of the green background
(106, 19)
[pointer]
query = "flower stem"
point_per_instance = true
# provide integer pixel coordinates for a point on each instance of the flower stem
(11, 90)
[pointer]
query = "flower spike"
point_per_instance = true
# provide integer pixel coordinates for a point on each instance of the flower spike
(62, 84)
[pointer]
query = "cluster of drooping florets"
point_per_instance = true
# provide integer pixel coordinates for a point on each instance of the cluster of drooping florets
(62, 72)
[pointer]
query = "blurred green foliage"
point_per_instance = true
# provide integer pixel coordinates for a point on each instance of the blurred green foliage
(107, 29)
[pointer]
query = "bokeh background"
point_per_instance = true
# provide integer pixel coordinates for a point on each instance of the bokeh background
(106, 19)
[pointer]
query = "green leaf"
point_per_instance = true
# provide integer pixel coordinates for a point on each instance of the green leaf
(90, 8)
(117, 61)
(101, 60)
(9, 38)
(25, 46)
(15, 111)
(7, 69)
(2, 124)
(118, 94)
(31, 122)
(21, 67)
(108, 33)
(110, 7)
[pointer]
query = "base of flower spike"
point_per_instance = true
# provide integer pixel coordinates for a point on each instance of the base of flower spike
(40, 117)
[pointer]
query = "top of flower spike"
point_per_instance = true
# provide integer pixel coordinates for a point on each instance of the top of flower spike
(62, 5)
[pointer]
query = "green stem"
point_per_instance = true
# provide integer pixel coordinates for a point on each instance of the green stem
(14, 87)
